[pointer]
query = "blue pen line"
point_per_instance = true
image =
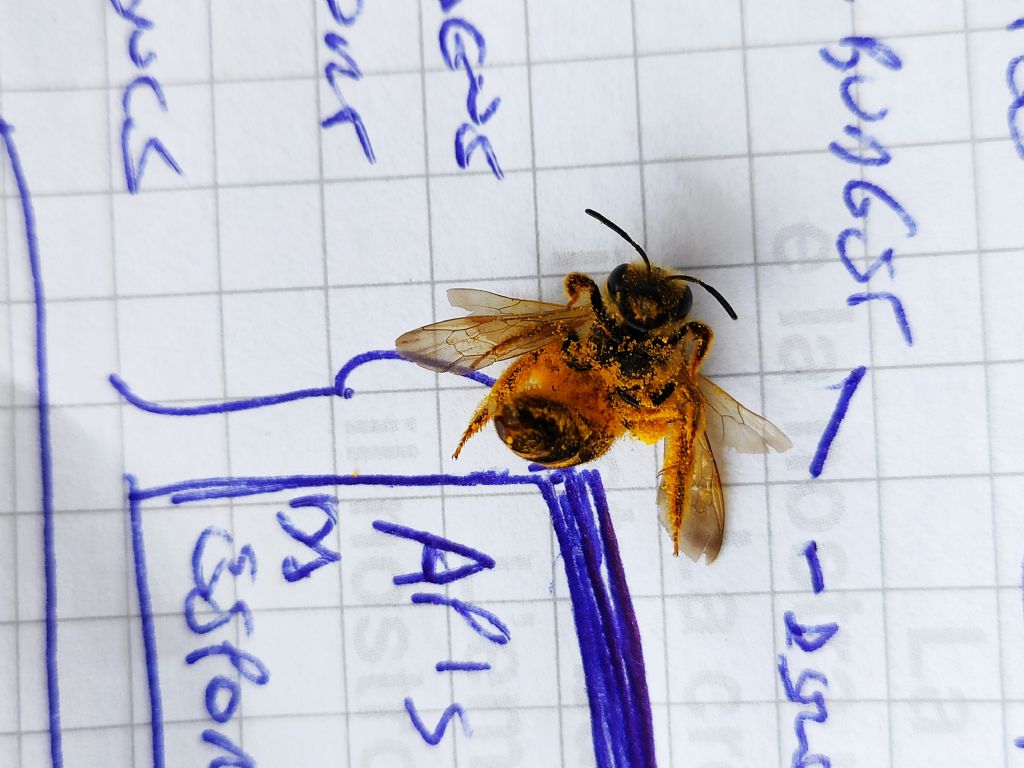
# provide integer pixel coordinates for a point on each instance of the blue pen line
(45, 460)
(340, 389)
(462, 666)
(814, 566)
(849, 386)
(148, 628)
(230, 487)
(639, 719)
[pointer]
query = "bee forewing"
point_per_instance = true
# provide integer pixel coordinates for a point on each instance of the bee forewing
(470, 343)
(480, 302)
(734, 426)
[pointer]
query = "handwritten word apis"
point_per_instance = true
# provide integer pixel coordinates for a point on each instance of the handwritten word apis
(435, 569)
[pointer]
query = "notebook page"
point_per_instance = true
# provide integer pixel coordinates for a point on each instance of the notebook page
(232, 531)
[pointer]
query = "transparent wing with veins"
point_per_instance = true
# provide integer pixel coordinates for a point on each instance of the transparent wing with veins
(497, 328)
(732, 425)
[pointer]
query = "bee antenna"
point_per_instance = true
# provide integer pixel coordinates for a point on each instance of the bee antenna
(710, 289)
(621, 233)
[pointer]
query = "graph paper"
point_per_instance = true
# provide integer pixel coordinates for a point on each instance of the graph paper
(314, 191)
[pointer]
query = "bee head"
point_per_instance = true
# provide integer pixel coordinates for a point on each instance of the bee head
(647, 297)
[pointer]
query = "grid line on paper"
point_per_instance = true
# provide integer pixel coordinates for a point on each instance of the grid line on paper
(565, 601)
(126, 522)
(656, 533)
(878, 467)
(326, 290)
(12, 440)
(658, 448)
(552, 544)
(385, 72)
(579, 708)
(721, 374)
(988, 394)
(433, 313)
(223, 326)
(156, 187)
(611, 490)
(516, 277)
(751, 201)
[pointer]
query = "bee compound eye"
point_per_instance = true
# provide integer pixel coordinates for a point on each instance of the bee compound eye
(685, 303)
(615, 280)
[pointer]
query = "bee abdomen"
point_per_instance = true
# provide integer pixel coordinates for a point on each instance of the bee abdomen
(549, 432)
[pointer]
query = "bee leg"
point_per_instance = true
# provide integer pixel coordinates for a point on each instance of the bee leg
(505, 383)
(702, 338)
(578, 286)
(675, 499)
(481, 416)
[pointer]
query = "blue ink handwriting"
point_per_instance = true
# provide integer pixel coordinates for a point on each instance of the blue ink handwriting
(858, 196)
(344, 66)
(1016, 88)
(434, 551)
(809, 638)
(848, 387)
(463, 47)
(135, 165)
(290, 567)
(814, 566)
(223, 694)
(433, 738)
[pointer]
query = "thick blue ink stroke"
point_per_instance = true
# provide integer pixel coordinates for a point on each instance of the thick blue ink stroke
(148, 625)
(462, 666)
(45, 453)
(849, 386)
(609, 639)
(814, 566)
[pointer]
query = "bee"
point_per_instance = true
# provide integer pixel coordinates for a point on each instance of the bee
(607, 363)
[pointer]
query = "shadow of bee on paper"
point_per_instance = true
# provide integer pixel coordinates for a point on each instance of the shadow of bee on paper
(607, 363)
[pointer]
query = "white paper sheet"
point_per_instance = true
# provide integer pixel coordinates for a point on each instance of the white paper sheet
(280, 252)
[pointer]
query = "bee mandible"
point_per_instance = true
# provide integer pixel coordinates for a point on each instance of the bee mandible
(607, 363)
